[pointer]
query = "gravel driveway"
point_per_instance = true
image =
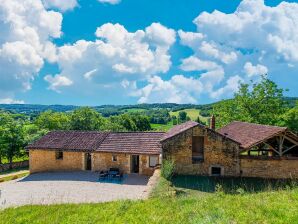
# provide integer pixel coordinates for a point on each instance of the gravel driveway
(69, 187)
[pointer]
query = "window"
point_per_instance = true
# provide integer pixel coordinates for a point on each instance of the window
(197, 148)
(153, 160)
(59, 155)
(215, 171)
(114, 158)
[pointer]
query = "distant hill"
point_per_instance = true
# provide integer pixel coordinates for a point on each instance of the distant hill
(116, 109)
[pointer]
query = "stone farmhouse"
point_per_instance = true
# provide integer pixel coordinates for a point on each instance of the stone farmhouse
(238, 149)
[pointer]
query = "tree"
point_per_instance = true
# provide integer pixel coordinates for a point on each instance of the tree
(86, 119)
(290, 118)
(182, 116)
(53, 120)
(5, 119)
(12, 139)
(260, 103)
(174, 119)
(124, 120)
(142, 122)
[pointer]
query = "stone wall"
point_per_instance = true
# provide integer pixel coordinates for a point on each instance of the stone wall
(144, 165)
(103, 161)
(44, 160)
(269, 167)
(218, 151)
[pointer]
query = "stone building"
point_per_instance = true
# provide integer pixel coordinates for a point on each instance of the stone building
(238, 149)
(131, 152)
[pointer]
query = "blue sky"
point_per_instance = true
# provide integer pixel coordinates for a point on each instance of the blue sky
(94, 52)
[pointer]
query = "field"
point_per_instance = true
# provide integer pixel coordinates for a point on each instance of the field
(161, 127)
(179, 203)
(192, 113)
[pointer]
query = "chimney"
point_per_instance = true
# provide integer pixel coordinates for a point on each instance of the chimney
(212, 122)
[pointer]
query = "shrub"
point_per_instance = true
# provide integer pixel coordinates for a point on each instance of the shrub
(167, 169)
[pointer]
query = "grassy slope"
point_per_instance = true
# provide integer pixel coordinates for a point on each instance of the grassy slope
(192, 206)
(161, 127)
(270, 207)
(192, 113)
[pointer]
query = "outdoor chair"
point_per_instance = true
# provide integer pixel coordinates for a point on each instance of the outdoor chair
(102, 174)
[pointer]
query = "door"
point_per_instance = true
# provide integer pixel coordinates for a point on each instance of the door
(135, 164)
(88, 161)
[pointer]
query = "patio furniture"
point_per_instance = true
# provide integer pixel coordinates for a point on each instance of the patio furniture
(103, 174)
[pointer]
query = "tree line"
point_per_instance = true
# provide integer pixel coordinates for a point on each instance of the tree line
(16, 131)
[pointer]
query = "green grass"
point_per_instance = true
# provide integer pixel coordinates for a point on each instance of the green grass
(13, 170)
(18, 159)
(161, 127)
(133, 110)
(169, 205)
(192, 113)
(13, 176)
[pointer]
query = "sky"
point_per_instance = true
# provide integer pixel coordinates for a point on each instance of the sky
(95, 52)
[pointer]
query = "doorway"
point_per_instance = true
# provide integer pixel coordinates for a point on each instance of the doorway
(88, 161)
(134, 164)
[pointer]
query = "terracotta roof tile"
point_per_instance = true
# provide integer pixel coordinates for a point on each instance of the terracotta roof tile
(123, 142)
(132, 142)
(179, 129)
(249, 134)
(70, 140)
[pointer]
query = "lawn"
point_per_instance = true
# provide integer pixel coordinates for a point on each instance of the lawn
(172, 206)
(13, 176)
(161, 127)
(192, 113)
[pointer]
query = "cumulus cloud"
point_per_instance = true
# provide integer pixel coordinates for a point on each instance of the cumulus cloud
(196, 64)
(11, 101)
(25, 42)
(244, 44)
(252, 70)
(116, 55)
(229, 88)
(62, 5)
(57, 82)
(112, 2)
(179, 89)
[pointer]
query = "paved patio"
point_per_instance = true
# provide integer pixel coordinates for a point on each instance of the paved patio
(70, 187)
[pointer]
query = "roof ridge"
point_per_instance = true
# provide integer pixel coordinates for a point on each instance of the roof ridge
(268, 125)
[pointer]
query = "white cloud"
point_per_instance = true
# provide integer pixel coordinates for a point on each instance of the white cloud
(251, 70)
(11, 101)
(248, 42)
(178, 89)
(62, 5)
(112, 2)
(195, 64)
(115, 55)
(231, 86)
(57, 81)
(25, 43)
(160, 35)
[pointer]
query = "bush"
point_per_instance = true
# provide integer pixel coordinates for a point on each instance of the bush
(167, 169)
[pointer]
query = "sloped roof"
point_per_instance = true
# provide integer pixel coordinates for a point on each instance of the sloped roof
(179, 129)
(132, 142)
(70, 140)
(122, 142)
(249, 134)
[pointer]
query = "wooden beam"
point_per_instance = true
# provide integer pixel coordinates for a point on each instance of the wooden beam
(288, 149)
(272, 148)
(291, 140)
